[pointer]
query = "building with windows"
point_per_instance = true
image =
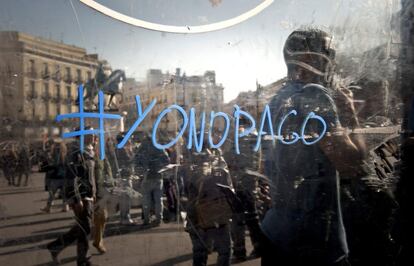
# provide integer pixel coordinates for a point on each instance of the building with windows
(38, 80)
(254, 102)
(130, 89)
(200, 92)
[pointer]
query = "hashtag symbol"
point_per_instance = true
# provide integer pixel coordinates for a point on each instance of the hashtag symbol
(101, 115)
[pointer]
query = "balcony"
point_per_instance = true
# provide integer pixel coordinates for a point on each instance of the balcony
(31, 95)
(54, 99)
(67, 101)
(68, 79)
(46, 98)
(32, 74)
(57, 77)
(46, 75)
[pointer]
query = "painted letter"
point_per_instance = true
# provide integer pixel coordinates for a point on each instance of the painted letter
(141, 117)
(312, 115)
(82, 115)
(192, 131)
(279, 131)
(237, 134)
(157, 122)
(226, 131)
(266, 114)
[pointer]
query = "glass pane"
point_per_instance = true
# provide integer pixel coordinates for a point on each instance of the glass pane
(186, 128)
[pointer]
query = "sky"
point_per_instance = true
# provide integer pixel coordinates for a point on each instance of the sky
(240, 55)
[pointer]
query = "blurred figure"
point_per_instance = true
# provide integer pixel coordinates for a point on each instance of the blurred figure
(9, 163)
(173, 185)
(55, 174)
(81, 193)
(24, 165)
(152, 161)
(304, 225)
(125, 157)
(208, 212)
(242, 168)
(104, 183)
(368, 203)
(110, 152)
(43, 153)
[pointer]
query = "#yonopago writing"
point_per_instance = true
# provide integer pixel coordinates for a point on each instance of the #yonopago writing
(189, 123)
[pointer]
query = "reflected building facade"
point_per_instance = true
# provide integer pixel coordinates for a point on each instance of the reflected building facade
(254, 102)
(201, 92)
(39, 79)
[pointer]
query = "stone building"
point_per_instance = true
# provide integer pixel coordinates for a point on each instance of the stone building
(39, 79)
(130, 89)
(254, 102)
(128, 107)
(198, 91)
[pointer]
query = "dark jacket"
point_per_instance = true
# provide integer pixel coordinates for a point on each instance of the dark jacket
(56, 166)
(80, 173)
(207, 204)
(125, 162)
(151, 159)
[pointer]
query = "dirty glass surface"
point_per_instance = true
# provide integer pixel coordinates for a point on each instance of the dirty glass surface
(203, 132)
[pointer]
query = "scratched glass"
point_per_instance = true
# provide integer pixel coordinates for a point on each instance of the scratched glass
(259, 132)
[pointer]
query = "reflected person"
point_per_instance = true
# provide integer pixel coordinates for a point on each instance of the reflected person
(304, 225)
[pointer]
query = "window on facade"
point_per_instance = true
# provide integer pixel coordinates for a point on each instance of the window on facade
(32, 67)
(33, 111)
(57, 109)
(68, 98)
(45, 70)
(68, 92)
(78, 76)
(46, 90)
(58, 93)
(32, 89)
(68, 74)
(57, 74)
(32, 96)
(46, 99)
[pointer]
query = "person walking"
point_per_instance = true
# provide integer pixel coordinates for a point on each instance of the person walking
(241, 167)
(104, 184)
(9, 163)
(125, 157)
(208, 211)
(55, 174)
(152, 160)
(81, 193)
(24, 166)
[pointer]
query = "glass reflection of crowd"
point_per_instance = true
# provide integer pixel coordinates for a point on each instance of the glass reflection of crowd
(16, 162)
(302, 205)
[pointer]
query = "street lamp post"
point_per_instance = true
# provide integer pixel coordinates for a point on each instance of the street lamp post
(122, 121)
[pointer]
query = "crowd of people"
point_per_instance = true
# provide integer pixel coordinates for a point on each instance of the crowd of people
(93, 188)
(16, 162)
(168, 182)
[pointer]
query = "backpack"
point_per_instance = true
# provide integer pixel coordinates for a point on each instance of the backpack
(211, 206)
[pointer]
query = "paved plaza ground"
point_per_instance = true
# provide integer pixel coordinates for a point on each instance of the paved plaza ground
(24, 231)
